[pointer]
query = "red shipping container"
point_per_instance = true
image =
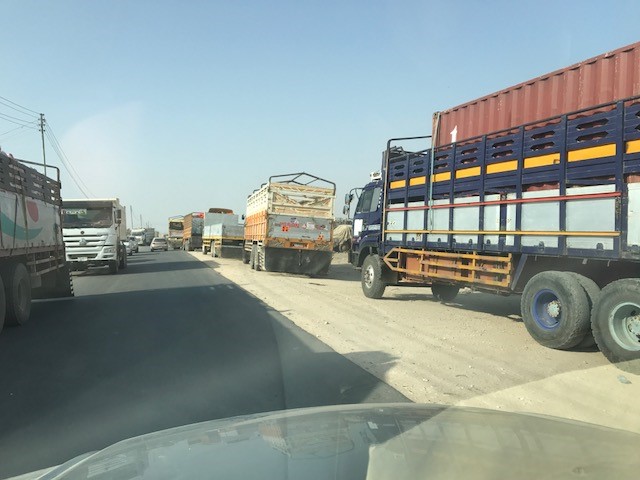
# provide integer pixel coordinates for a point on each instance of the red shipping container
(606, 78)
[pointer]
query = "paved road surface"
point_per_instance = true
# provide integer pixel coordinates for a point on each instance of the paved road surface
(167, 342)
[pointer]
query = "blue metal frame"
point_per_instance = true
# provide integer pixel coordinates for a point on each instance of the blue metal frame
(615, 123)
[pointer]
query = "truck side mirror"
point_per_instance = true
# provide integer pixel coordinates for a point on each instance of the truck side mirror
(118, 216)
(345, 210)
(348, 198)
(242, 217)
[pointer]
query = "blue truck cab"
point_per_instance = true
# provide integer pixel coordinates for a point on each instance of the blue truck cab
(366, 220)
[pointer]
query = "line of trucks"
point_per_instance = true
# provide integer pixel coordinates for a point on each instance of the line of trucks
(287, 228)
(533, 190)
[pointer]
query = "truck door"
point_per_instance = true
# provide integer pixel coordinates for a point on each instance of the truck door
(366, 221)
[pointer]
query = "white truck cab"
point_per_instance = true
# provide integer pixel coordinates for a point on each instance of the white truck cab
(94, 231)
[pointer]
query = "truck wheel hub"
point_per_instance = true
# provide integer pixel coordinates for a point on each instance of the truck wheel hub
(553, 309)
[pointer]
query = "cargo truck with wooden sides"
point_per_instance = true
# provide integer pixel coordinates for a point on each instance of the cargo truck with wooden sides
(32, 254)
(193, 224)
(533, 190)
(288, 225)
(222, 234)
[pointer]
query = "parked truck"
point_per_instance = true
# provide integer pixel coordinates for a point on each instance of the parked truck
(192, 232)
(288, 225)
(549, 208)
(32, 253)
(222, 234)
(94, 231)
(176, 230)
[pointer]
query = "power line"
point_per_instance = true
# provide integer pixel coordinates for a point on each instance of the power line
(14, 129)
(15, 120)
(18, 105)
(55, 144)
(50, 130)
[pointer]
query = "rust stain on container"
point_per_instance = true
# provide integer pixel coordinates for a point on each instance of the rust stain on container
(606, 78)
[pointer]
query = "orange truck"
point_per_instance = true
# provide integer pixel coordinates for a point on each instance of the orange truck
(288, 225)
(193, 224)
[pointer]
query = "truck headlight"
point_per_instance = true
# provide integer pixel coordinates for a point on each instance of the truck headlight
(109, 250)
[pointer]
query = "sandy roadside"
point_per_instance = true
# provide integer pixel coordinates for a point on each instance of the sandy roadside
(473, 352)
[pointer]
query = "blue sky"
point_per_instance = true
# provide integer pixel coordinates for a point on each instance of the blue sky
(178, 106)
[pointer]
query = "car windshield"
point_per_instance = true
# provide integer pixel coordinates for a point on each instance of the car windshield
(212, 209)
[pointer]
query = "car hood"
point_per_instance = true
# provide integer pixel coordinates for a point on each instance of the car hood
(369, 442)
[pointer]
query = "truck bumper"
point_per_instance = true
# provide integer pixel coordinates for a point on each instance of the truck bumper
(308, 262)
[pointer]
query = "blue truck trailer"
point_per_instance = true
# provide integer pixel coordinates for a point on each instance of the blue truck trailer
(549, 210)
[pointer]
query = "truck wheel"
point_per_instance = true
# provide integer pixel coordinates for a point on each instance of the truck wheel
(245, 256)
(114, 266)
(555, 310)
(3, 304)
(18, 295)
(444, 292)
(615, 320)
(592, 290)
(372, 284)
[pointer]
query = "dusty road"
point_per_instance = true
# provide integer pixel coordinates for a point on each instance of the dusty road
(474, 351)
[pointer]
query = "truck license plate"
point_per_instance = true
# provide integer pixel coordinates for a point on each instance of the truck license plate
(82, 259)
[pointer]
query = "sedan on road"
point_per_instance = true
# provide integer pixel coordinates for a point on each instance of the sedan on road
(159, 243)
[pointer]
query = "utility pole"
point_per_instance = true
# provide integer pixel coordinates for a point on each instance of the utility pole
(141, 221)
(44, 154)
(131, 211)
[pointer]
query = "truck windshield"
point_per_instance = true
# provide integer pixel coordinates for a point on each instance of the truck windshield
(369, 200)
(87, 217)
(175, 226)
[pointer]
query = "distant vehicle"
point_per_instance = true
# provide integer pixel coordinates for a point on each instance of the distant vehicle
(192, 233)
(159, 243)
(94, 230)
(149, 234)
(222, 235)
(134, 244)
(128, 247)
(176, 231)
(140, 236)
(288, 225)
(32, 254)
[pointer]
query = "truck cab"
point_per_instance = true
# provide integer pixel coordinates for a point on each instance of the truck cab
(93, 232)
(366, 219)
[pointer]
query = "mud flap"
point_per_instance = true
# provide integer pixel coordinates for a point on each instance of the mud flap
(56, 284)
(307, 262)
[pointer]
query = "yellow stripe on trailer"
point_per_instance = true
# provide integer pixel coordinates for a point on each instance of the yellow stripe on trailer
(441, 177)
(590, 153)
(502, 167)
(633, 146)
(468, 172)
(417, 181)
(542, 160)
(397, 184)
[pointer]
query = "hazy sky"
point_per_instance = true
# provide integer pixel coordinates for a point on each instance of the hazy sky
(178, 106)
